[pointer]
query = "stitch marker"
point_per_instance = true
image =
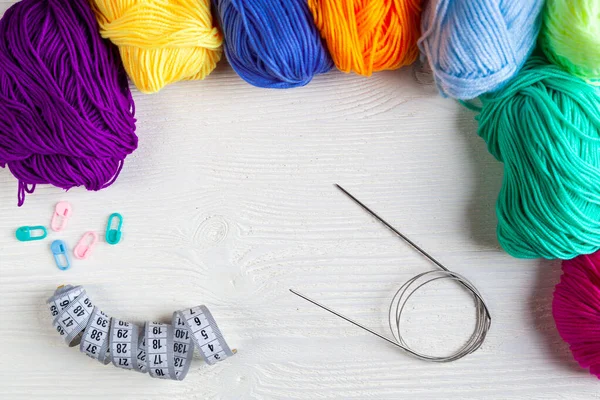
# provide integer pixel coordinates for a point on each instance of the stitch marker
(62, 213)
(84, 247)
(29, 233)
(59, 250)
(113, 236)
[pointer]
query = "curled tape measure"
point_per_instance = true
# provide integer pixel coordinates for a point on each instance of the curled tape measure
(164, 351)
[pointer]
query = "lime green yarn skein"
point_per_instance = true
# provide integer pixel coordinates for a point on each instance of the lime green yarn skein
(544, 125)
(570, 36)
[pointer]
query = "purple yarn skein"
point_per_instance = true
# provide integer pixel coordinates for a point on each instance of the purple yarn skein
(66, 112)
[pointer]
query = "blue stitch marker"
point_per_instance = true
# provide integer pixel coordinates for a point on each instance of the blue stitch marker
(61, 256)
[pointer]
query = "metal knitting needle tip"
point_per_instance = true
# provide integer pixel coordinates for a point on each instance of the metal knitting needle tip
(406, 239)
(483, 318)
(316, 303)
(390, 227)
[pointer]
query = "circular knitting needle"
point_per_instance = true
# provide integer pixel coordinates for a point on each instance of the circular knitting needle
(483, 317)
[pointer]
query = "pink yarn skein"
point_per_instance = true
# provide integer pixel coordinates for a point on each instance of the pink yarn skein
(576, 309)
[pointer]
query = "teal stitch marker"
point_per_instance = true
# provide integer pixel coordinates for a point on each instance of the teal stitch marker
(113, 236)
(29, 233)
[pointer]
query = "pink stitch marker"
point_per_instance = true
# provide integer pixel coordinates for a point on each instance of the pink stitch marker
(62, 213)
(85, 245)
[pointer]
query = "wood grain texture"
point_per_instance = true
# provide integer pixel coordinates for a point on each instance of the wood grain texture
(229, 202)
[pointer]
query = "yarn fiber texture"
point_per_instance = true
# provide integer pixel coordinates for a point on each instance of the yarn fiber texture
(570, 36)
(576, 309)
(272, 43)
(67, 116)
(544, 125)
(367, 36)
(475, 47)
(161, 41)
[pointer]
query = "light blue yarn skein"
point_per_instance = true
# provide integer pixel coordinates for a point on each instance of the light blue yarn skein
(476, 46)
(272, 43)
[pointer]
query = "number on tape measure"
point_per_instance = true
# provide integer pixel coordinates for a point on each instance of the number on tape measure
(163, 350)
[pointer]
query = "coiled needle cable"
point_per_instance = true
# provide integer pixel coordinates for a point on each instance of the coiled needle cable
(482, 315)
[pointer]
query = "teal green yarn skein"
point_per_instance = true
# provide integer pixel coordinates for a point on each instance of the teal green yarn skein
(544, 125)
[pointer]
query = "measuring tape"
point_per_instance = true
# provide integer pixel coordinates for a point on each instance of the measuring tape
(164, 351)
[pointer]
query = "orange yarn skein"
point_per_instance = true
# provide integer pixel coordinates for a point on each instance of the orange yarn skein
(367, 36)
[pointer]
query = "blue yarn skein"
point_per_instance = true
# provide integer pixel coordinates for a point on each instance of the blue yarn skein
(474, 47)
(272, 43)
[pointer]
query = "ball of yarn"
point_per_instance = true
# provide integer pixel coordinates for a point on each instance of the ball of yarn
(65, 106)
(570, 36)
(544, 125)
(475, 47)
(161, 41)
(576, 309)
(272, 43)
(367, 36)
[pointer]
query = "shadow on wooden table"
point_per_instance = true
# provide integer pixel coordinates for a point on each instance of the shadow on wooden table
(480, 212)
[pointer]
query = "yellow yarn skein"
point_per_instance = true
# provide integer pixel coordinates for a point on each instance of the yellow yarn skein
(161, 41)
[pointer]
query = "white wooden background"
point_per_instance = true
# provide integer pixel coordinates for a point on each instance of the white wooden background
(229, 202)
